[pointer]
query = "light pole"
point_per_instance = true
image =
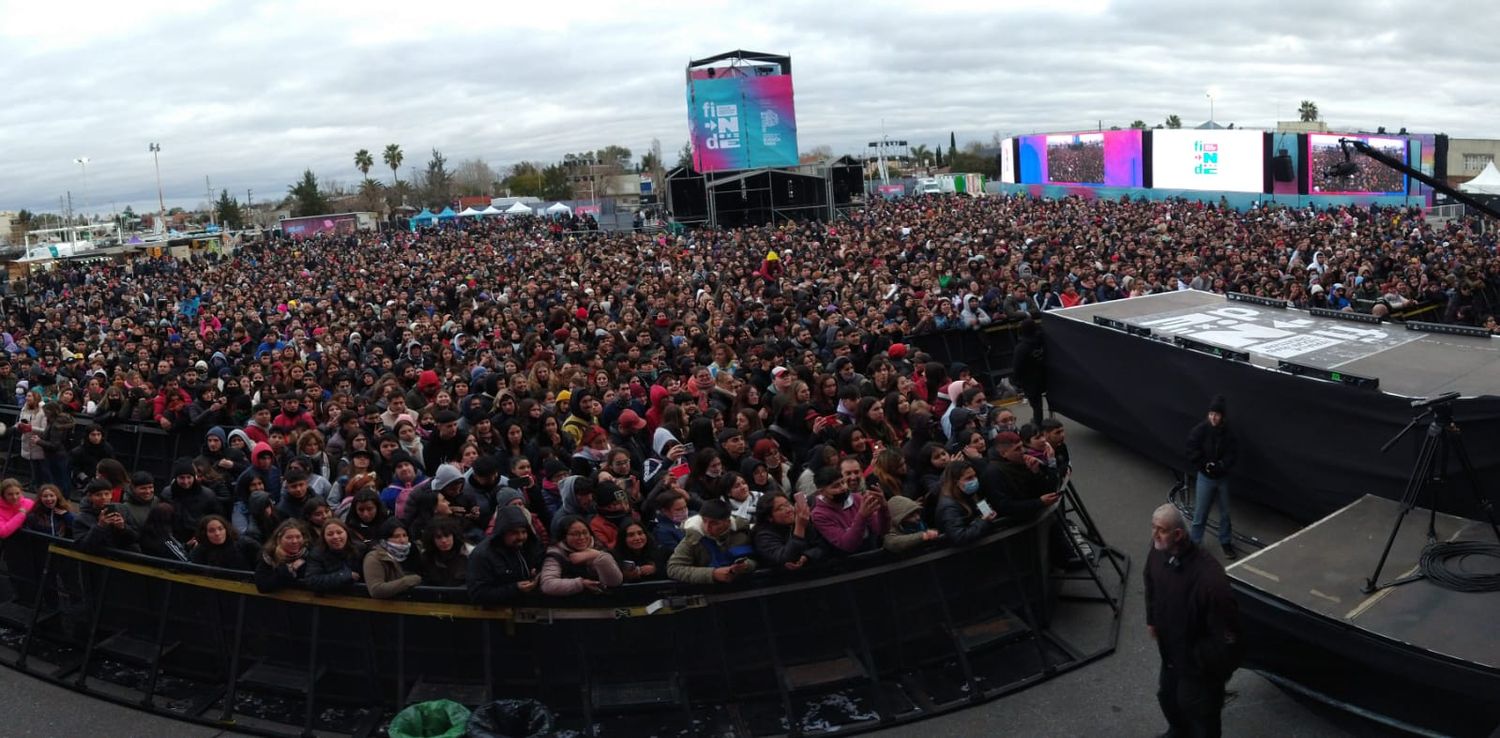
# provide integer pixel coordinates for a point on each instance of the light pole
(161, 203)
(83, 161)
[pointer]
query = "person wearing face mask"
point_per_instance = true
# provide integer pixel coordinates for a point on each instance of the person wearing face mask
(958, 515)
(383, 572)
(1192, 616)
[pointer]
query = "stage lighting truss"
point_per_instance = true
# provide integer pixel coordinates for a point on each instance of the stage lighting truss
(1328, 375)
(1452, 330)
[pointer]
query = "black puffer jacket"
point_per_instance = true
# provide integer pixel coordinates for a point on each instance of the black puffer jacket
(494, 569)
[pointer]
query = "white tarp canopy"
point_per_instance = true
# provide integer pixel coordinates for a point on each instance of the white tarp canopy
(492, 210)
(1487, 183)
(470, 212)
(558, 208)
(519, 208)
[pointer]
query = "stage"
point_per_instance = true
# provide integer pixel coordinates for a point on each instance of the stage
(1416, 654)
(1308, 446)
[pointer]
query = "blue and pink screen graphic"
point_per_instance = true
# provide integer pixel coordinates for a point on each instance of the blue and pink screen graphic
(742, 123)
(1098, 158)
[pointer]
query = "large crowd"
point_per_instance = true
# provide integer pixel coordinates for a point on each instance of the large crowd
(1368, 175)
(518, 407)
(1076, 162)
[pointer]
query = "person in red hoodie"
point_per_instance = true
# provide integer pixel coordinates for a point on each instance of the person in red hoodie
(659, 397)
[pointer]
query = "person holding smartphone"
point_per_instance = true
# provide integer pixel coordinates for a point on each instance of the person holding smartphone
(962, 514)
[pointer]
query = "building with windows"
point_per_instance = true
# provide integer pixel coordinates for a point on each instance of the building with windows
(1467, 157)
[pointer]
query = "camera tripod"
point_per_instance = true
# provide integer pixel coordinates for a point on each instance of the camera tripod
(1442, 438)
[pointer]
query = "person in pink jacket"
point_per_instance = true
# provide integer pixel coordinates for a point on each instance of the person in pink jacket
(573, 565)
(14, 504)
(851, 522)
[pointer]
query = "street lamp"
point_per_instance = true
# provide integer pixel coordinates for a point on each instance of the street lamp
(83, 161)
(161, 203)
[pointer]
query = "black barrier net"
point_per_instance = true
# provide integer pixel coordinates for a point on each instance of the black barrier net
(888, 643)
(1306, 447)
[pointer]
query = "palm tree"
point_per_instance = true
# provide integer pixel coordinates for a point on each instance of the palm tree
(363, 161)
(1307, 112)
(392, 158)
(921, 153)
(1174, 121)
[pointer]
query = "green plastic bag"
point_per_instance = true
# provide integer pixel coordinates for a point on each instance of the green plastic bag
(435, 719)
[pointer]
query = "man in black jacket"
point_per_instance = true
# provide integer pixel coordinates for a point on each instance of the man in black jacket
(505, 565)
(1211, 453)
(1191, 614)
(1029, 371)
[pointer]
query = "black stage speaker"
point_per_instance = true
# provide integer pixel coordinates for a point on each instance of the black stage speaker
(1282, 167)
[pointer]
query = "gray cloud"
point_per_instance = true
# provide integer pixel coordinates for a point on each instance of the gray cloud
(251, 94)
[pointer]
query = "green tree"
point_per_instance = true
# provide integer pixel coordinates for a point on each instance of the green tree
(363, 161)
(439, 182)
(555, 183)
(371, 195)
(392, 158)
(524, 180)
(1139, 124)
(685, 156)
(1173, 121)
(937, 156)
(952, 145)
(1307, 112)
(229, 212)
(649, 163)
(307, 199)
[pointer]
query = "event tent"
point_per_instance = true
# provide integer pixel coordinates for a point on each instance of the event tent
(424, 218)
(470, 213)
(1487, 183)
(519, 208)
(558, 208)
(447, 214)
(492, 210)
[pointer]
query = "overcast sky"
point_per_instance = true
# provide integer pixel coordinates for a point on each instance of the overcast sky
(251, 93)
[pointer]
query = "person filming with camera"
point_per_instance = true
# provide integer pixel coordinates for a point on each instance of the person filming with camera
(1212, 452)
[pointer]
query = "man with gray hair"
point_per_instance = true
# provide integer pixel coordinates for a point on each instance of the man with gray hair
(1191, 614)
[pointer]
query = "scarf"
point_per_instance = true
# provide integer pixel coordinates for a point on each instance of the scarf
(398, 551)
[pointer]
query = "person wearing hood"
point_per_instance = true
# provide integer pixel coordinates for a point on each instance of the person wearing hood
(405, 477)
(230, 462)
(384, 573)
(191, 500)
(260, 516)
(422, 395)
(445, 496)
(784, 536)
(973, 316)
(583, 417)
(1212, 452)
(445, 445)
(577, 498)
(87, 454)
(590, 456)
(509, 497)
(574, 564)
(614, 514)
(718, 554)
(504, 566)
(262, 467)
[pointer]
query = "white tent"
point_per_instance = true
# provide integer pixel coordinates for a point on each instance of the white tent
(470, 212)
(1487, 183)
(492, 210)
(558, 208)
(519, 208)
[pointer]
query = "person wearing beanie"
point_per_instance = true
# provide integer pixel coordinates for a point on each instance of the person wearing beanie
(191, 500)
(718, 554)
(1211, 453)
(428, 384)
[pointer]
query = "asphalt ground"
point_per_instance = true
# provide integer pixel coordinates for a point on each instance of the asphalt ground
(1115, 696)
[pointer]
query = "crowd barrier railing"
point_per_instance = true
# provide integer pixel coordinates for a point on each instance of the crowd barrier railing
(870, 641)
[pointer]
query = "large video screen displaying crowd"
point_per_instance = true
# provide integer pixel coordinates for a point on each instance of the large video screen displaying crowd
(527, 410)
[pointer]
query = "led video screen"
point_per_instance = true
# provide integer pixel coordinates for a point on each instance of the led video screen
(1368, 177)
(1222, 160)
(1100, 158)
(742, 122)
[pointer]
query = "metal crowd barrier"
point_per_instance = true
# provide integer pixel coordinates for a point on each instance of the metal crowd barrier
(140, 447)
(866, 642)
(988, 352)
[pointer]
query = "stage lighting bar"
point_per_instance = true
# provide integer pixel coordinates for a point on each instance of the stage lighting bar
(1121, 325)
(1210, 349)
(1452, 330)
(1343, 315)
(1256, 299)
(1329, 375)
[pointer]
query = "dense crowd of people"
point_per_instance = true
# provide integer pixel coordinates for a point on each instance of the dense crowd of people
(1076, 162)
(516, 408)
(1368, 175)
